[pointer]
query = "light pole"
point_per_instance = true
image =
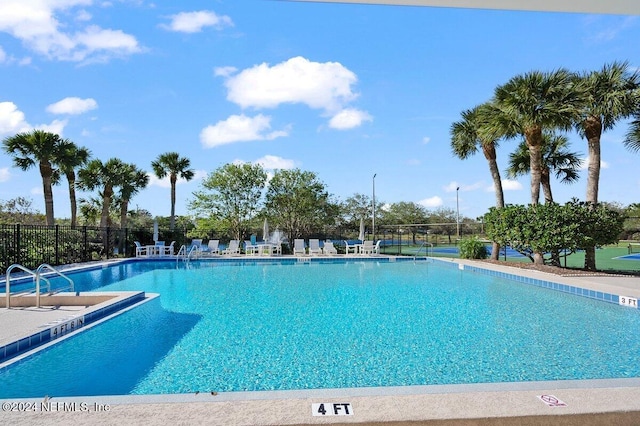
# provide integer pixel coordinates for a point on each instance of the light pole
(457, 213)
(373, 202)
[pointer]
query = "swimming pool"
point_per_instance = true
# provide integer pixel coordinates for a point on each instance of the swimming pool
(270, 326)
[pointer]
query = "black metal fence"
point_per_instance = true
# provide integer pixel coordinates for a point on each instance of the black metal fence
(33, 245)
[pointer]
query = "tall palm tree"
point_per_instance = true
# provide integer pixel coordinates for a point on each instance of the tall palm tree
(556, 158)
(41, 148)
(70, 158)
(533, 102)
(467, 136)
(104, 177)
(132, 181)
(171, 164)
(612, 97)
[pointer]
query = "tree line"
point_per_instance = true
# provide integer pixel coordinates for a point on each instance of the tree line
(537, 108)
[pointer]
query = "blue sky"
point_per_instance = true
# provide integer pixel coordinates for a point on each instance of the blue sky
(346, 91)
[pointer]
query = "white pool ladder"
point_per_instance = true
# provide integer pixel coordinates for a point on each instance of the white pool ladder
(425, 251)
(37, 276)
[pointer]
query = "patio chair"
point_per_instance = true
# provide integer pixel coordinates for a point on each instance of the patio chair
(367, 247)
(233, 248)
(350, 248)
(165, 250)
(314, 246)
(329, 248)
(376, 248)
(140, 249)
(298, 247)
(250, 248)
(213, 247)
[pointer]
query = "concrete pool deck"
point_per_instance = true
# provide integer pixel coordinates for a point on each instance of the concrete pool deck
(588, 402)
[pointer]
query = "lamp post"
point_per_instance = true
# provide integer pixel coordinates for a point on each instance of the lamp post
(457, 213)
(373, 202)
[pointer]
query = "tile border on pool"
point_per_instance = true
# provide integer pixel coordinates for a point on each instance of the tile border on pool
(25, 344)
(565, 288)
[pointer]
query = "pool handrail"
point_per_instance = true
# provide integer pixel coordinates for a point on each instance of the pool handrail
(424, 244)
(38, 277)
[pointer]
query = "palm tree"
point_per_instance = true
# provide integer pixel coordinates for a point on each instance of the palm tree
(467, 136)
(41, 148)
(102, 176)
(556, 158)
(70, 158)
(534, 102)
(174, 166)
(612, 97)
(632, 140)
(133, 180)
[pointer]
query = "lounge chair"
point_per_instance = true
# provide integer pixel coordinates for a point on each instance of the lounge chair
(213, 247)
(376, 248)
(140, 249)
(298, 247)
(314, 246)
(350, 248)
(233, 248)
(329, 248)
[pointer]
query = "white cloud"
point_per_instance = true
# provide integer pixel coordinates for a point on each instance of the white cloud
(426, 140)
(5, 174)
(272, 162)
(239, 128)
(224, 71)
(326, 86)
(37, 190)
(166, 183)
(455, 186)
(12, 119)
(3, 55)
(56, 126)
(431, 202)
(348, 119)
(194, 22)
(414, 162)
(38, 24)
(73, 106)
(507, 185)
(585, 164)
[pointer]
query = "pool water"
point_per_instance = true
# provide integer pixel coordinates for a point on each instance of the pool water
(228, 327)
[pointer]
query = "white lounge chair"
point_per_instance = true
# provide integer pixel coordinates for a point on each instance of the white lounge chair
(213, 247)
(314, 246)
(329, 248)
(298, 247)
(233, 248)
(376, 248)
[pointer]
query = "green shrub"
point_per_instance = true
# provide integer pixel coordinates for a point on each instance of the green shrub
(472, 248)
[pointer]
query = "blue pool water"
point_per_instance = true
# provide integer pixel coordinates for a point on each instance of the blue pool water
(230, 327)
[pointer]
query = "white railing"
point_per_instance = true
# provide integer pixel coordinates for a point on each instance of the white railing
(426, 253)
(37, 275)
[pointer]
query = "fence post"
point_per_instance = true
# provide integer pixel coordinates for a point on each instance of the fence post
(84, 241)
(17, 239)
(57, 251)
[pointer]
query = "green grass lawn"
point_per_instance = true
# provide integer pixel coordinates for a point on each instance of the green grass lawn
(606, 257)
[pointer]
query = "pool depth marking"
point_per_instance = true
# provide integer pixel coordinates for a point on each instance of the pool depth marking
(628, 301)
(320, 409)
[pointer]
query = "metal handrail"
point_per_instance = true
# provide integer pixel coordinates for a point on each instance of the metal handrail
(196, 249)
(52, 269)
(8, 283)
(424, 244)
(183, 251)
(36, 276)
